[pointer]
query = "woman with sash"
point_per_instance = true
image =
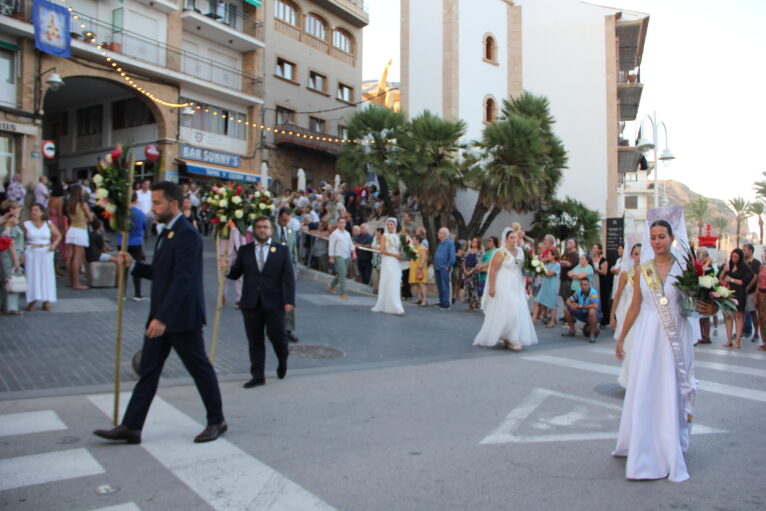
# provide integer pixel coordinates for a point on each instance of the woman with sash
(659, 400)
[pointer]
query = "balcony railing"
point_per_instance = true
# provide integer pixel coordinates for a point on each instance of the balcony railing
(223, 13)
(318, 44)
(154, 52)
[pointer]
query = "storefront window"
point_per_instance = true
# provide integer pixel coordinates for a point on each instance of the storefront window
(6, 158)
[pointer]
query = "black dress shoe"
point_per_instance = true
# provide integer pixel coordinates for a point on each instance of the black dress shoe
(282, 369)
(255, 382)
(291, 337)
(131, 436)
(211, 432)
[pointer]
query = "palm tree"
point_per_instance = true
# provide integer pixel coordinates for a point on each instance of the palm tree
(374, 127)
(741, 209)
(568, 218)
(698, 210)
(720, 224)
(758, 208)
(519, 166)
(760, 188)
(434, 174)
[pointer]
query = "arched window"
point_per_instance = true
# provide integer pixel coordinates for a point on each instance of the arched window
(490, 48)
(286, 11)
(490, 109)
(316, 27)
(343, 41)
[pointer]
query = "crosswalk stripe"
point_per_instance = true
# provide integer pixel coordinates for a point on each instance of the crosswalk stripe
(728, 353)
(222, 474)
(130, 506)
(47, 468)
(708, 386)
(24, 423)
(751, 371)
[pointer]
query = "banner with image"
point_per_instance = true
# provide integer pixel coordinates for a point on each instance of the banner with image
(51, 23)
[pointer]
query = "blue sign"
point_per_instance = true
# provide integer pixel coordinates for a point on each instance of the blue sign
(51, 23)
(224, 175)
(188, 152)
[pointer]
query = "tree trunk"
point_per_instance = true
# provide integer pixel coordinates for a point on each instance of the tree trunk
(428, 223)
(385, 194)
(479, 211)
(488, 221)
(739, 224)
(760, 229)
(462, 232)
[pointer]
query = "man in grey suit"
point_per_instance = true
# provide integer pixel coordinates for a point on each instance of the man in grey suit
(286, 235)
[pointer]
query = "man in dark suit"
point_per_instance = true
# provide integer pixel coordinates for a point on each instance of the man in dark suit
(176, 318)
(268, 293)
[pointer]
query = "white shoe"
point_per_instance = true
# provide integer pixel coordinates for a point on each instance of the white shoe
(139, 298)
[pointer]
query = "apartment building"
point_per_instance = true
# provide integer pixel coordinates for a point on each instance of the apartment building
(182, 75)
(313, 77)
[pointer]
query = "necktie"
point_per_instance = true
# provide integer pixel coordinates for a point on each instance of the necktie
(282, 236)
(260, 258)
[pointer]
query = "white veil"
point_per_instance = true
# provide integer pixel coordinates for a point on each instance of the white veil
(674, 215)
(631, 240)
(391, 219)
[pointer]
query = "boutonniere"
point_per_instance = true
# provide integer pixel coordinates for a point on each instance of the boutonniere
(289, 231)
(170, 235)
(273, 249)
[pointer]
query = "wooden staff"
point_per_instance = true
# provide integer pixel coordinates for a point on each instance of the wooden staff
(218, 299)
(121, 295)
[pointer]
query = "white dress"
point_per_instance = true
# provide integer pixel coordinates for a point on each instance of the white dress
(506, 315)
(38, 264)
(390, 286)
(654, 431)
(622, 310)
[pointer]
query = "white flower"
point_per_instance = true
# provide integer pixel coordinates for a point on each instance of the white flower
(223, 203)
(536, 263)
(222, 218)
(102, 193)
(236, 199)
(97, 179)
(212, 201)
(266, 194)
(725, 292)
(238, 213)
(271, 206)
(110, 208)
(707, 282)
(262, 206)
(253, 216)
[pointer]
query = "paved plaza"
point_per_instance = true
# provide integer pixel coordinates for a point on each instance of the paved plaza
(410, 417)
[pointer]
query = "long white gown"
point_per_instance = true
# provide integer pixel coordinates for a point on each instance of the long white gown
(654, 431)
(38, 264)
(622, 310)
(506, 315)
(390, 286)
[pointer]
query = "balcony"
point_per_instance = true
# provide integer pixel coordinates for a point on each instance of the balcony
(239, 32)
(307, 139)
(628, 159)
(628, 97)
(318, 44)
(166, 6)
(631, 35)
(355, 12)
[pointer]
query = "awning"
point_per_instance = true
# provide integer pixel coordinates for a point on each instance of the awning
(219, 171)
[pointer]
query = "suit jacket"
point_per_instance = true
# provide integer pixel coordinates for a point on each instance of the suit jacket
(272, 288)
(176, 273)
(292, 241)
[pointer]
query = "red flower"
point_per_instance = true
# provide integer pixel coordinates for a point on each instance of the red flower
(698, 268)
(106, 215)
(5, 243)
(214, 220)
(239, 190)
(116, 152)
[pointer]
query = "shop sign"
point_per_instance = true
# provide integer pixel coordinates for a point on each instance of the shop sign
(26, 129)
(188, 152)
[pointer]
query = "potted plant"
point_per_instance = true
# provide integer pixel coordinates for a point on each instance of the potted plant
(632, 77)
(88, 36)
(75, 35)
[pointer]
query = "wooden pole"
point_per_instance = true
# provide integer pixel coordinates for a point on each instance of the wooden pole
(121, 299)
(219, 298)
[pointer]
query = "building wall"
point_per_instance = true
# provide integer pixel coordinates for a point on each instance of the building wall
(425, 66)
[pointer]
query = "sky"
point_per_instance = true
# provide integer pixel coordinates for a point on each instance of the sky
(704, 75)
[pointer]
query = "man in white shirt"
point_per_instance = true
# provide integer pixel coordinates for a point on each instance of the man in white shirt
(144, 202)
(41, 192)
(341, 251)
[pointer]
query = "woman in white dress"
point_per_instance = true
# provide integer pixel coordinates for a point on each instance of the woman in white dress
(390, 286)
(659, 401)
(504, 302)
(620, 305)
(42, 237)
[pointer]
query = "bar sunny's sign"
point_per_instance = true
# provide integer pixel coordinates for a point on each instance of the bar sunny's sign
(188, 152)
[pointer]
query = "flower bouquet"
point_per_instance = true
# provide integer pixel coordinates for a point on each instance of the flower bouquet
(697, 287)
(408, 249)
(533, 266)
(112, 188)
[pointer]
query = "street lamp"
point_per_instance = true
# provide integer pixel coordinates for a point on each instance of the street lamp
(54, 83)
(644, 145)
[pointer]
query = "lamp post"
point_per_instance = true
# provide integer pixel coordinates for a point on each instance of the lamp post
(644, 145)
(54, 82)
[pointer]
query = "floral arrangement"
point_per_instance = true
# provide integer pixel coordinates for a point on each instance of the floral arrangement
(227, 208)
(112, 188)
(695, 287)
(408, 249)
(533, 266)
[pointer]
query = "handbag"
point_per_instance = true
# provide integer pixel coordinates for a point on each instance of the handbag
(17, 283)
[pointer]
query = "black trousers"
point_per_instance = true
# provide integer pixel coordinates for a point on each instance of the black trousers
(190, 347)
(406, 291)
(274, 322)
(365, 270)
(137, 253)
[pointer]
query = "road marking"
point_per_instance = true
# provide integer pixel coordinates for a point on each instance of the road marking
(130, 506)
(222, 474)
(506, 431)
(47, 468)
(752, 371)
(24, 423)
(328, 299)
(708, 386)
(728, 353)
